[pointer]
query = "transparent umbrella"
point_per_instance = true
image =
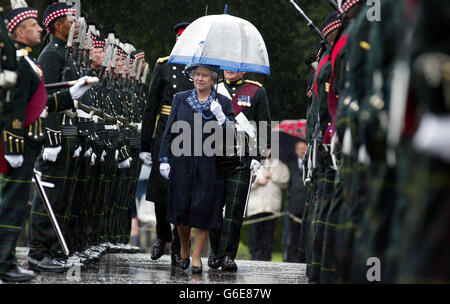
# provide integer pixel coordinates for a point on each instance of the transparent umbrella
(225, 41)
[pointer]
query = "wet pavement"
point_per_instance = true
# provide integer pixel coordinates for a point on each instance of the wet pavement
(141, 269)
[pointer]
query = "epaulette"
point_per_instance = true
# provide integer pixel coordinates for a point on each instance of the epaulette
(23, 52)
(163, 59)
(254, 82)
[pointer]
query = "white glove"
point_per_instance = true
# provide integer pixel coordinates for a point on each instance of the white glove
(102, 158)
(88, 153)
(93, 158)
(80, 88)
(146, 158)
(126, 163)
(44, 114)
(116, 156)
(433, 137)
(77, 152)
(255, 165)
(50, 154)
(164, 169)
(16, 161)
(216, 109)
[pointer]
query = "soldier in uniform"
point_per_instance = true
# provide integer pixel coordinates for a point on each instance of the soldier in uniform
(250, 99)
(167, 80)
(60, 147)
(23, 136)
(340, 108)
(323, 174)
(8, 64)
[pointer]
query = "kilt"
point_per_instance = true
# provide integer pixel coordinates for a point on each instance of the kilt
(14, 197)
(75, 227)
(426, 230)
(328, 267)
(105, 197)
(43, 239)
(372, 233)
(305, 225)
(235, 186)
(353, 202)
(325, 184)
(305, 231)
(93, 188)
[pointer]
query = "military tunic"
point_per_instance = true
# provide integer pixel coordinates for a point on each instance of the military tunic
(23, 135)
(236, 180)
(61, 131)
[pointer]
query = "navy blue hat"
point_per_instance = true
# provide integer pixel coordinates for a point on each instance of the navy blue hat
(190, 68)
(58, 10)
(18, 15)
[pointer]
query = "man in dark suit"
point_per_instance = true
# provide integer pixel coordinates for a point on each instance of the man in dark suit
(166, 82)
(295, 205)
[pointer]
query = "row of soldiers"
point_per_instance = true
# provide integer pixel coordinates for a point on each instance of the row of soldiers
(377, 169)
(84, 141)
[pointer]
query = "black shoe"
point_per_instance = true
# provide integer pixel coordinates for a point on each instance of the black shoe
(228, 264)
(214, 261)
(47, 264)
(197, 269)
(176, 259)
(184, 263)
(158, 249)
(17, 274)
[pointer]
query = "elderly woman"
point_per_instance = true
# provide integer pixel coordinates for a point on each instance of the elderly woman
(192, 200)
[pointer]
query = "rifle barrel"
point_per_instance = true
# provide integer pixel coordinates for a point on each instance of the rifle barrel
(310, 23)
(67, 84)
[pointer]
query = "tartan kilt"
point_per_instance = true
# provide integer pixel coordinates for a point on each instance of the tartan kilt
(74, 206)
(101, 185)
(325, 182)
(305, 225)
(305, 232)
(308, 229)
(79, 202)
(328, 268)
(372, 233)
(107, 197)
(94, 186)
(14, 197)
(426, 230)
(115, 204)
(43, 239)
(235, 186)
(345, 226)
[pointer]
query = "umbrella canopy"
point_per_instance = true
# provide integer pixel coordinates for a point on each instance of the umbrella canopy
(228, 42)
(290, 132)
(296, 128)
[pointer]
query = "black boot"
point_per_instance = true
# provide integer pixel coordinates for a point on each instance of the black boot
(47, 264)
(228, 264)
(158, 249)
(214, 261)
(17, 274)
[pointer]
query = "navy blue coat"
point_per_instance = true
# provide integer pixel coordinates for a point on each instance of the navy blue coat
(193, 191)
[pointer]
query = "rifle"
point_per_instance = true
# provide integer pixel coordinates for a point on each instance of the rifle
(48, 207)
(68, 84)
(311, 24)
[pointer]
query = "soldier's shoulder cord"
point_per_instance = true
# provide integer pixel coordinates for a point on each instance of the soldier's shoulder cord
(254, 82)
(163, 59)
